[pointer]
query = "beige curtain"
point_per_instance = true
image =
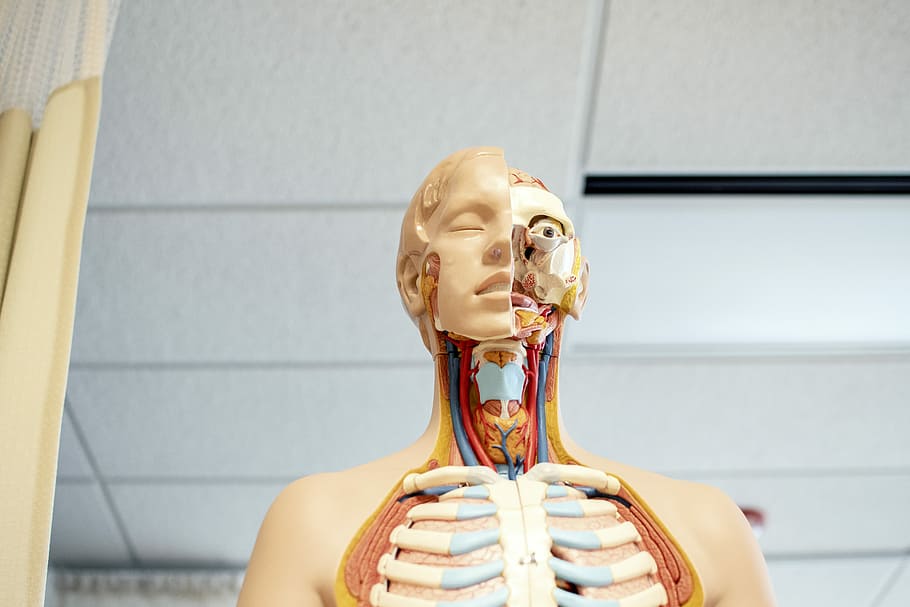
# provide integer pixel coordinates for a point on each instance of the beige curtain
(51, 58)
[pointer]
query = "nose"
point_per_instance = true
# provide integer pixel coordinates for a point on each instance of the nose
(498, 253)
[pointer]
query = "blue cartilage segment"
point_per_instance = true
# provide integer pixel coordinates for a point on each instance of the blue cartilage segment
(438, 490)
(463, 543)
(494, 599)
(580, 575)
(567, 509)
(570, 599)
(557, 491)
(471, 511)
(476, 492)
(583, 540)
(462, 577)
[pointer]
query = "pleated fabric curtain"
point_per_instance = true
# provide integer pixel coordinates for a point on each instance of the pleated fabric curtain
(52, 55)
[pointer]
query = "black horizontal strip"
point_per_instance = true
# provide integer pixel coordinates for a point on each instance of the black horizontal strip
(603, 185)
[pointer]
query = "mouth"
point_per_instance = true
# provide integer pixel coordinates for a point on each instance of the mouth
(501, 282)
(520, 300)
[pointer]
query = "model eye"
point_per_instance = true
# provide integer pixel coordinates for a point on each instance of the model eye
(545, 234)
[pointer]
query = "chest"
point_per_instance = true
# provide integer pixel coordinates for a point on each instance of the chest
(535, 541)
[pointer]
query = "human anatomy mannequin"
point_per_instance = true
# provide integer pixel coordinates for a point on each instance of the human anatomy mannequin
(495, 505)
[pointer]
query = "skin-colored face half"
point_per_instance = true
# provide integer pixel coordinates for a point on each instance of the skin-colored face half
(472, 236)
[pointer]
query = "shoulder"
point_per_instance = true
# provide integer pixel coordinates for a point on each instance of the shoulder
(720, 542)
(283, 566)
(306, 531)
(711, 529)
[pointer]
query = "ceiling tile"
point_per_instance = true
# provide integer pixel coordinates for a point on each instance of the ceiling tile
(72, 463)
(241, 423)
(185, 524)
(284, 101)
(826, 514)
(834, 582)
(84, 532)
(897, 593)
(754, 86)
(794, 415)
(274, 286)
(734, 271)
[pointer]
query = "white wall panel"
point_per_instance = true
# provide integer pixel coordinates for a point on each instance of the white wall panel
(831, 582)
(183, 287)
(343, 101)
(832, 514)
(84, 531)
(243, 423)
(741, 272)
(754, 86)
(686, 416)
(186, 524)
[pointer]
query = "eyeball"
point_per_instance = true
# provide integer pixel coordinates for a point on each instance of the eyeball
(546, 234)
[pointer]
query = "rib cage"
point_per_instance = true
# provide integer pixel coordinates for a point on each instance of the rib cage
(538, 541)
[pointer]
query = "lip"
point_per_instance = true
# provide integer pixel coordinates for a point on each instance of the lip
(520, 300)
(500, 282)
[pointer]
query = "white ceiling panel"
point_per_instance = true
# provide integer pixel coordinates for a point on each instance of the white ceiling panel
(754, 86)
(898, 590)
(278, 286)
(84, 531)
(793, 415)
(72, 463)
(841, 582)
(340, 101)
(746, 272)
(815, 515)
(187, 524)
(242, 423)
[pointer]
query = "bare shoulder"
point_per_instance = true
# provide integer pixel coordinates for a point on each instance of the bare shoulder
(283, 568)
(306, 531)
(712, 531)
(734, 569)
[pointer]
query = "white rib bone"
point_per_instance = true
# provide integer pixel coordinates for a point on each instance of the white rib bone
(380, 597)
(655, 596)
(634, 566)
(450, 475)
(410, 573)
(618, 535)
(436, 511)
(577, 475)
(611, 537)
(434, 542)
(447, 511)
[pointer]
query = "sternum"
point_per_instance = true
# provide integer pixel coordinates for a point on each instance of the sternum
(525, 542)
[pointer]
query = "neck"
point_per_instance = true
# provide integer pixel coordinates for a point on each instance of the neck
(496, 403)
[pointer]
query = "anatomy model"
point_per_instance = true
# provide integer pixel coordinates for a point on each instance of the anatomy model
(494, 506)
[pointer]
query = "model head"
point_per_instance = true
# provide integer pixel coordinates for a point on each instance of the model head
(485, 250)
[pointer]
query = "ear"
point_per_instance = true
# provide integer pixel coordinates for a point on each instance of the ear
(409, 286)
(582, 295)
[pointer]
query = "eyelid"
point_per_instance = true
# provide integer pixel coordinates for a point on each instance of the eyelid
(466, 222)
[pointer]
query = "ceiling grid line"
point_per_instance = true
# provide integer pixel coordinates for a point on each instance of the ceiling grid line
(882, 593)
(102, 484)
(590, 62)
